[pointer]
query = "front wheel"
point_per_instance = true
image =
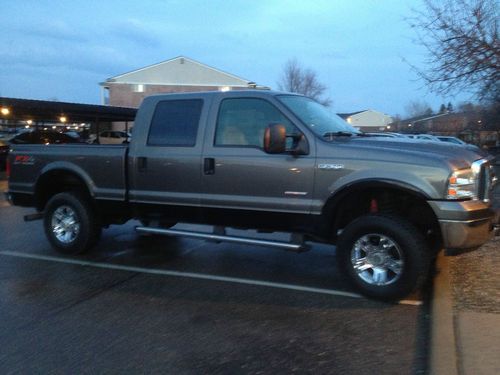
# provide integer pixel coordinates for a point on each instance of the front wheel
(70, 223)
(385, 257)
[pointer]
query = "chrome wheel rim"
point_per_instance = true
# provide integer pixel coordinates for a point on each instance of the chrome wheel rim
(377, 259)
(65, 224)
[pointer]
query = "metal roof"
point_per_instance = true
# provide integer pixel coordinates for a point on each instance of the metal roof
(51, 111)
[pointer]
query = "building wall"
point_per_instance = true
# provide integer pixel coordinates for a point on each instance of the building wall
(126, 95)
(371, 120)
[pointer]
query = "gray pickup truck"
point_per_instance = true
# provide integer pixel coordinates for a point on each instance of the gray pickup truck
(273, 162)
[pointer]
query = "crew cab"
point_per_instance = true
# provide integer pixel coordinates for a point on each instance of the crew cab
(269, 161)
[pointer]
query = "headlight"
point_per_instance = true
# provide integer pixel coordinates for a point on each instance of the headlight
(462, 184)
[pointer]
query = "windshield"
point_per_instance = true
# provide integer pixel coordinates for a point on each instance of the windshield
(316, 116)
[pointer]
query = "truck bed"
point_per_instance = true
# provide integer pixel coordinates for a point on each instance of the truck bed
(101, 167)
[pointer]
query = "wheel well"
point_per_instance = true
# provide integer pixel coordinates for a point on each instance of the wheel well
(342, 210)
(57, 181)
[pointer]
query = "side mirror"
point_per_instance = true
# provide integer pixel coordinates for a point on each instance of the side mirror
(275, 139)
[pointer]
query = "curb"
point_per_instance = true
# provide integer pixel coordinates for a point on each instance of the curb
(443, 353)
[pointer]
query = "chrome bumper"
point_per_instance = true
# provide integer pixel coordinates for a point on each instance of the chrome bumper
(466, 225)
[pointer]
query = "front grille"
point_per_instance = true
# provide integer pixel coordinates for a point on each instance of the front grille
(486, 178)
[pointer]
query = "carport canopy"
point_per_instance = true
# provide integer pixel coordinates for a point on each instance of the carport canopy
(52, 111)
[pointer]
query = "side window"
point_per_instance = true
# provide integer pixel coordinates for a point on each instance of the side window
(23, 138)
(242, 122)
(175, 123)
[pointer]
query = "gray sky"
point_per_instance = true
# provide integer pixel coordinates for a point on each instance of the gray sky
(63, 49)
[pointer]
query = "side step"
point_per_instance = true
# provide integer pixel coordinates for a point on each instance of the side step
(297, 244)
(33, 217)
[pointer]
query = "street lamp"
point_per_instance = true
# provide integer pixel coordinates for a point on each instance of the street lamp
(5, 111)
(63, 119)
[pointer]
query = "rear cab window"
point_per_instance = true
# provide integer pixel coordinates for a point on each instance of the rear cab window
(175, 123)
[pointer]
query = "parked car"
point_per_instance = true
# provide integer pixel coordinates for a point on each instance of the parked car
(424, 137)
(42, 137)
(4, 151)
(114, 137)
(449, 139)
(386, 135)
(74, 134)
(459, 142)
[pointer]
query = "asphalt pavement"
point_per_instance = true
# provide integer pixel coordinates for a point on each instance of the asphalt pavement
(171, 305)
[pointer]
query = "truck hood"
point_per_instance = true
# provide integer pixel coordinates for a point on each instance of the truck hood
(406, 148)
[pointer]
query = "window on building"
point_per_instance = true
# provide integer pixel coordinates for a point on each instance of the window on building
(243, 121)
(139, 88)
(175, 123)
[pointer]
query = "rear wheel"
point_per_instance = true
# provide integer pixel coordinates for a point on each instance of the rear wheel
(70, 223)
(385, 257)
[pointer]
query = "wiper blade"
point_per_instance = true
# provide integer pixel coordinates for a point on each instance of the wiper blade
(338, 134)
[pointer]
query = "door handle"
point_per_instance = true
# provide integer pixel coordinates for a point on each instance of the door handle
(142, 164)
(209, 166)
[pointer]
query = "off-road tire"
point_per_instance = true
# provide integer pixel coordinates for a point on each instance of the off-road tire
(79, 208)
(414, 251)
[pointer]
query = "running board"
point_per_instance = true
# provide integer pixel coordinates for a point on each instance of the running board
(296, 246)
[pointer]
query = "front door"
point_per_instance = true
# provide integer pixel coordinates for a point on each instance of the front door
(238, 174)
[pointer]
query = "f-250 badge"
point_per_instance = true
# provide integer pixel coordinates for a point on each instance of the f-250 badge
(331, 166)
(24, 159)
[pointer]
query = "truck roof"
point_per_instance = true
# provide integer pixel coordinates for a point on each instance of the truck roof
(223, 93)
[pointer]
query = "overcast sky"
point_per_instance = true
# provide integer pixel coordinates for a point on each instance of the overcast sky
(63, 49)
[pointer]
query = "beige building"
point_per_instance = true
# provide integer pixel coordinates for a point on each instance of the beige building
(179, 74)
(368, 120)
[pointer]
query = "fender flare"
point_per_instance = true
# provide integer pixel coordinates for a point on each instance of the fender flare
(336, 198)
(64, 168)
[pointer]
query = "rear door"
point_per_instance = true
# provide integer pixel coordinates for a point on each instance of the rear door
(165, 157)
(238, 174)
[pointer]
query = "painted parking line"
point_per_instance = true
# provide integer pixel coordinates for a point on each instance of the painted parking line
(192, 275)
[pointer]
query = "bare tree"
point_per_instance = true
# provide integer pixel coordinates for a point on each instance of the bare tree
(461, 39)
(417, 108)
(302, 81)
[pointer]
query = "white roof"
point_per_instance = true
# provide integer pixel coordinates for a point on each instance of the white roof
(180, 71)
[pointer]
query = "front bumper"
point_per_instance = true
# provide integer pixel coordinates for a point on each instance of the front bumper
(466, 224)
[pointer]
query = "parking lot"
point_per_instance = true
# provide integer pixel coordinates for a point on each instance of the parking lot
(174, 305)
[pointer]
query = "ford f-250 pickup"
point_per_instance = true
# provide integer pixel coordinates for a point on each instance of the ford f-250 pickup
(269, 161)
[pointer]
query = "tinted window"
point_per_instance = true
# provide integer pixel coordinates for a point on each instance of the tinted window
(22, 138)
(175, 123)
(39, 137)
(64, 138)
(242, 122)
